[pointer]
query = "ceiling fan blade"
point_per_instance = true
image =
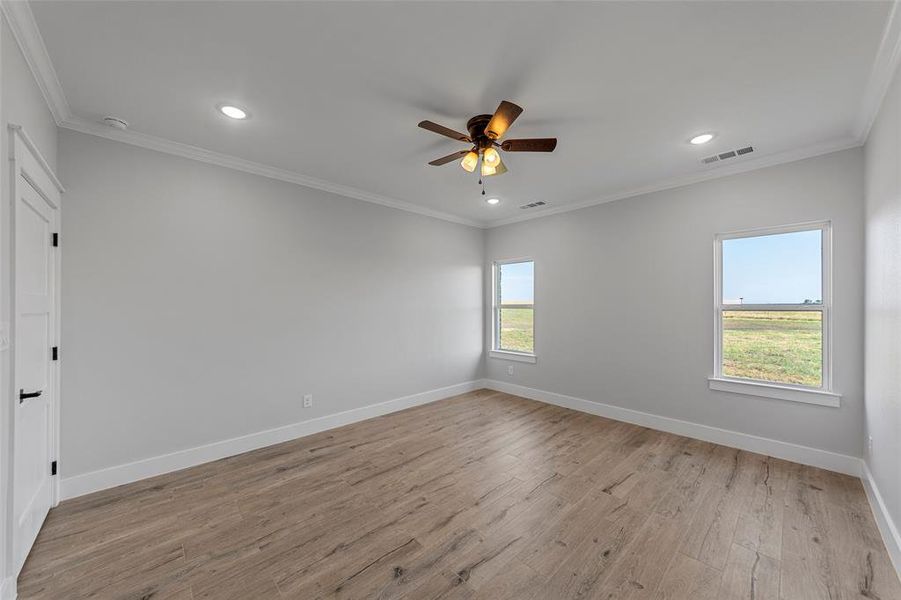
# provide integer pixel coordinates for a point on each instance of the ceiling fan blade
(442, 130)
(449, 158)
(530, 145)
(503, 117)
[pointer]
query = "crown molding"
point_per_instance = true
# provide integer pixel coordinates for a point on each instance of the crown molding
(159, 144)
(888, 59)
(25, 29)
(744, 166)
(21, 21)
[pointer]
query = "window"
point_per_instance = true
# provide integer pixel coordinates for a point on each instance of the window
(513, 310)
(773, 312)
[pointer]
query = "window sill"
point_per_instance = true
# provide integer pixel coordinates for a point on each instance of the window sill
(772, 390)
(517, 356)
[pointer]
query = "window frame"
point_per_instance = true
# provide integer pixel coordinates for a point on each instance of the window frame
(494, 336)
(824, 394)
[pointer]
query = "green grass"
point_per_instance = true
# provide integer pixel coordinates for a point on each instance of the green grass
(517, 329)
(780, 346)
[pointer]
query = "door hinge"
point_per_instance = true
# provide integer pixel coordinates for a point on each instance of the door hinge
(53, 468)
(55, 240)
(54, 353)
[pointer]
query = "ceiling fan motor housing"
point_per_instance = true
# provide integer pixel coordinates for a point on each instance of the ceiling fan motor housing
(476, 127)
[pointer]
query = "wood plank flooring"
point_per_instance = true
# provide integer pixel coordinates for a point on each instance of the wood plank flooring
(484, 495)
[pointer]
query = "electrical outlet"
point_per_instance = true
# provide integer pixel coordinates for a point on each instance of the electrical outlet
(509, 369)
(870, 445)
(307, 400)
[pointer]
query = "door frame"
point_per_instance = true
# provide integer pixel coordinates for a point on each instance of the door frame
(27, 163)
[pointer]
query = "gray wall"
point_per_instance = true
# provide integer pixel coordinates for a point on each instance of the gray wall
(883, 299)
(201, 303)
(624, 298)
(21, 103)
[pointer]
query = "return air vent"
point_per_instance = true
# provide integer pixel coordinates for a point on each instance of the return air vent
(534, 204)
(709, 160)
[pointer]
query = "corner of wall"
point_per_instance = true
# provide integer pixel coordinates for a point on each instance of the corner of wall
(884, 521)
(486, 306)
(8, 589)
(882, 306)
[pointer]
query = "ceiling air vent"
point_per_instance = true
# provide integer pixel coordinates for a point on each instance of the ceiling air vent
(709, 160)
(534, 204)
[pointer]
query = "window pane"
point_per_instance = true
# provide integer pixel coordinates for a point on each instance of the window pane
(785, 268)
(517, 330)
(517, 283)
(516, 286)
(777, 346)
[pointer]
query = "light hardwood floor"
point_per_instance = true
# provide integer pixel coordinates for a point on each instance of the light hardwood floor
(484, 495)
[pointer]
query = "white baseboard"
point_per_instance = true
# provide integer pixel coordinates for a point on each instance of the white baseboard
(8, 589)
(135, 471)
(814, 457)
(884, 520)
(94, 481)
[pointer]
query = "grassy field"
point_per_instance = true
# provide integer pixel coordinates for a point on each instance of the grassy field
(779, 346)
(517, 329)
(774, 346)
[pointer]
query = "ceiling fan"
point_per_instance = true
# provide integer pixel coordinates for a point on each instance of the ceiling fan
(484, 133)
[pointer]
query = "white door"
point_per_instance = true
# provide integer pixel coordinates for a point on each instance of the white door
(35, 222)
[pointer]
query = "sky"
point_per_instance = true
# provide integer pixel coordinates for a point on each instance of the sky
(773, 269)
(517, 282)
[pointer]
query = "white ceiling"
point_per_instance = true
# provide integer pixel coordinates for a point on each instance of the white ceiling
(336, 89)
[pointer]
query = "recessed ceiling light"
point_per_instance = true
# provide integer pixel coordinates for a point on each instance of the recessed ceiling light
(701, 139)
(233, 111)
(492, 201)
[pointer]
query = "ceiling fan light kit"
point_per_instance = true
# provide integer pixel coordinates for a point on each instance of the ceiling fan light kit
(491, 157)
(489, 170)
(485, 132)
(470, 161)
